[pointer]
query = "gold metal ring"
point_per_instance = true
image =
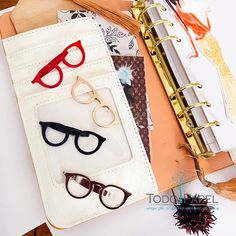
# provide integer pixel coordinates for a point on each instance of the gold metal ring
(155, 5)
(199, 128)
(198, 104)
(187, 86)
(156, 23)
(210, 124)
(195, 105)
(164, 39)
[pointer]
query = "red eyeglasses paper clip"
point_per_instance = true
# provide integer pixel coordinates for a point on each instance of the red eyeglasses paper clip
(54, 65)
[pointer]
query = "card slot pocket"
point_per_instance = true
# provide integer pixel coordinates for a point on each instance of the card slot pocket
(34, 64)
(24, 87)
(39, 37)
(27, 55)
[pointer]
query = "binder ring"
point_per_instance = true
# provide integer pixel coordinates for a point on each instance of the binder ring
(156, 23)
(199, 128)
(155, 5)
(198, 104)
(195, 105)
(187, 86)
(210, 124)
(166, 38)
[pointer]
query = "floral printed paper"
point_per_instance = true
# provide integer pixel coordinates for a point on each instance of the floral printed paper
(118, 39)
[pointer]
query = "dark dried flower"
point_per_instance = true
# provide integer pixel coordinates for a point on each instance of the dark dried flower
(194, 215)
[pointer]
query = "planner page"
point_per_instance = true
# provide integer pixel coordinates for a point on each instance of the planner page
(206, 51)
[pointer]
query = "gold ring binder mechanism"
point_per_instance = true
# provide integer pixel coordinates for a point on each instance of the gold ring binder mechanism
(195, 105)
(156, 23)
(161, 40)
(175, 93)
(187, 86)
(199, 128)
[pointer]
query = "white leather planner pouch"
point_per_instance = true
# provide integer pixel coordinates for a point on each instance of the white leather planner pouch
(86, 149)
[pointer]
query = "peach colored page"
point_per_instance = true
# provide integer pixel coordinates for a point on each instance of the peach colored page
(169, 163)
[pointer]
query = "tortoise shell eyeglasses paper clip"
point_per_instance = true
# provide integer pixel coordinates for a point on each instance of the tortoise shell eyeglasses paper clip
(80, 186)
(53, 65)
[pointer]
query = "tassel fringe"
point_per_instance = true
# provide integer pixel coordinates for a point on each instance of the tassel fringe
(113, 15)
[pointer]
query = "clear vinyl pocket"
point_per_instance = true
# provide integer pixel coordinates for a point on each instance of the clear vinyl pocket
(73, 155)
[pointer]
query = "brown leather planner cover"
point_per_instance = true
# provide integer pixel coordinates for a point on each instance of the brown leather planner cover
(171, 165)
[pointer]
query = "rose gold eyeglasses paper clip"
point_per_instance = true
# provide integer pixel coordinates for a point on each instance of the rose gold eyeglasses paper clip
(94, 97)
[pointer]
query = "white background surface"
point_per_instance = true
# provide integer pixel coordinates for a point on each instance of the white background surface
(20, 202)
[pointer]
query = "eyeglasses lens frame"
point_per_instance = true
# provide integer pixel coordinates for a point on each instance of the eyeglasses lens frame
(70, 131)
(100, 188)
(54, 65)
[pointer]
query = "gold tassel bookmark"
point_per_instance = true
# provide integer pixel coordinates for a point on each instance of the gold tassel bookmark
(225, 189)
(113, 15)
